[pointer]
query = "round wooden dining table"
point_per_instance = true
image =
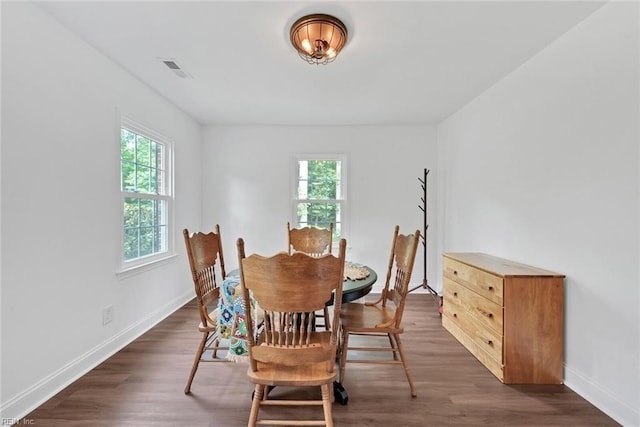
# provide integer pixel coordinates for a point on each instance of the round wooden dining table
(351, 289)
(355, 289)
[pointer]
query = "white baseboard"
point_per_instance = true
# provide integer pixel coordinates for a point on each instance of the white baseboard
(22, 404)
(602, 398)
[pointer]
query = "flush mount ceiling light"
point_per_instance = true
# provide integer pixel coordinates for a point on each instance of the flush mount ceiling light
(318, 38)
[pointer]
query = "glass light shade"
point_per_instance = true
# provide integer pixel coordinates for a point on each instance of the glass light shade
(318, 38)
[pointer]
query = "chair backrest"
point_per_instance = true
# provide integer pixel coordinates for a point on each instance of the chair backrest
(396, 287)
(310, 240)
(289, 288)
(203, 251)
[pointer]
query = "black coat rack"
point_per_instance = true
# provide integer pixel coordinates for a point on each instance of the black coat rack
(423, 238)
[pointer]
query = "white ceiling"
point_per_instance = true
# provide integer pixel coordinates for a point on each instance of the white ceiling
(410, 62)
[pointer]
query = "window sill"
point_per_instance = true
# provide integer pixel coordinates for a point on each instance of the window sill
(141, 268)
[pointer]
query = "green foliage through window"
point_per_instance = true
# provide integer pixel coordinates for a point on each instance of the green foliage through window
(319, 194)
(143, 186)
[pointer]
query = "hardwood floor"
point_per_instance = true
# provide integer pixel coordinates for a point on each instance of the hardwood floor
(142, 385)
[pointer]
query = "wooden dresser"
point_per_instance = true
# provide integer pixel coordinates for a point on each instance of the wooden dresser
(508, 315)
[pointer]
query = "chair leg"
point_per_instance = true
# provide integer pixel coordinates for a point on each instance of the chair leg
(216, 344)
(394, 345)
(326, 403)
(405, 365)
(255, 405)
(196, 362)
(327, 320)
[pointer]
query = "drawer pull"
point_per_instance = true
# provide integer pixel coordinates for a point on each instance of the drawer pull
(485, 313)
(455, 314)
(490, 288)
(490, 342)
(455, 272)
(455, 294)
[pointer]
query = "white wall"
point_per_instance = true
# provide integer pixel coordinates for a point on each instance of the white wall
(543, 169)
(247, 185)
(61, 102)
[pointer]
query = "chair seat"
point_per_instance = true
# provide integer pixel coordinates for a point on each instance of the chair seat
(363, 318)
(213, 315)
(313, 374)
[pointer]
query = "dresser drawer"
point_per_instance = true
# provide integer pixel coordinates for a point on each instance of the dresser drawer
(486, 284)
(495, 366)
(483, 336)
(486, 312)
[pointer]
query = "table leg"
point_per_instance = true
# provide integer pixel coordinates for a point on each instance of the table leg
(340, 393)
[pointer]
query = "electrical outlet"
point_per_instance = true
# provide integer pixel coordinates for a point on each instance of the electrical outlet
(107, 314)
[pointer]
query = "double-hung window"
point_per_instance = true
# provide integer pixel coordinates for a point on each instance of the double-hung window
(146, 190)
(320, 192)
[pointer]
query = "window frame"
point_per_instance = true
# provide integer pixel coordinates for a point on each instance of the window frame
(127, 267)
(343, 158)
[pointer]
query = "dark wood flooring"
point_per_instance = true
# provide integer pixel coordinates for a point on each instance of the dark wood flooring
(142, 385)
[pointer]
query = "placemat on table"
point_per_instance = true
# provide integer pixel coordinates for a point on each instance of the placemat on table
(354, 271)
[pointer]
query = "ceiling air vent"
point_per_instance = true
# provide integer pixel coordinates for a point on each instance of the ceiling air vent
(177, 70)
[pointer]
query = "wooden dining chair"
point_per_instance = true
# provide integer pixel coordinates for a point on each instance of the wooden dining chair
(384, 316)
(203, 250)
(315, 242)
(312, 241)
(289, 289)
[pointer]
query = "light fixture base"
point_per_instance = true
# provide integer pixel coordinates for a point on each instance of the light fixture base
(318, 38)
